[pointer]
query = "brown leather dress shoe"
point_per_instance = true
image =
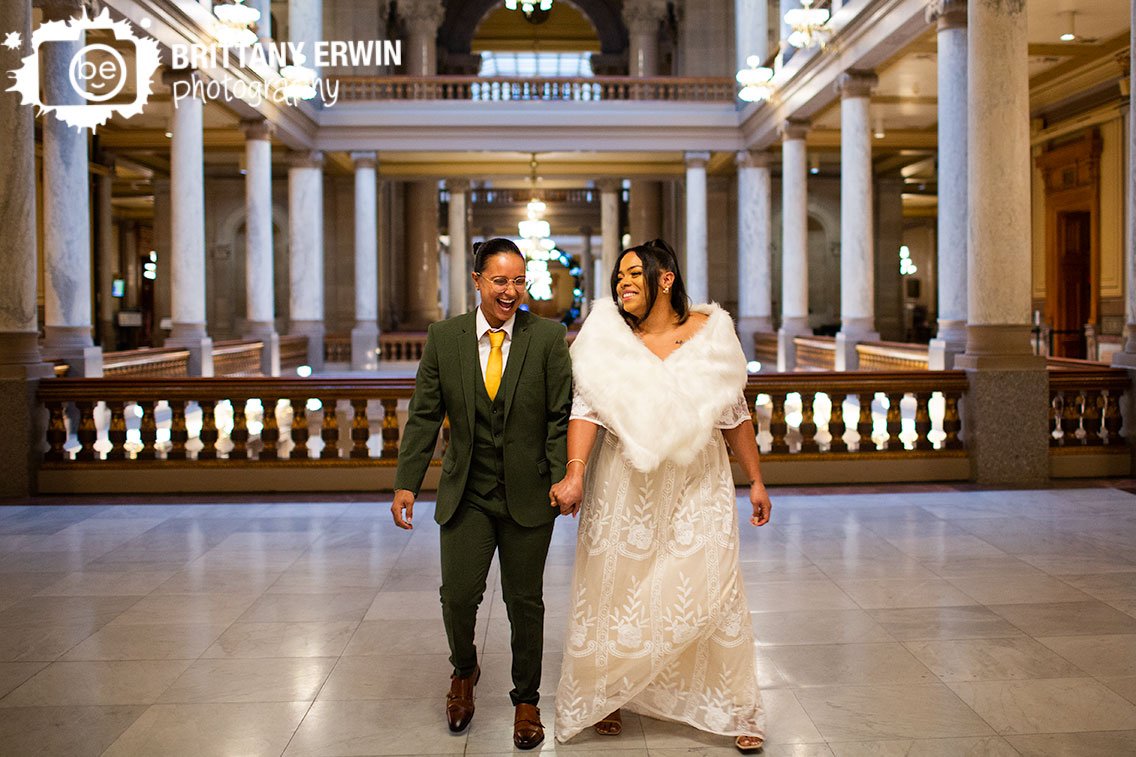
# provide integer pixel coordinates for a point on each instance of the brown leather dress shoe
(528, 731)
(459, 702)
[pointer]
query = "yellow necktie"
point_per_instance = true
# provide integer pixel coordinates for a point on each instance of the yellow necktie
(493, 367)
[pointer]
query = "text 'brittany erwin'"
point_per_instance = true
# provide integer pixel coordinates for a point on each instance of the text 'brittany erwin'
(322, 53)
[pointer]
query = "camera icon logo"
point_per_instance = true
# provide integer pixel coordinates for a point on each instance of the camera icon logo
(84, 85)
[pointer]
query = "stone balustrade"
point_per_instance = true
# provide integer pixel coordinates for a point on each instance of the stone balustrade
(554, 88)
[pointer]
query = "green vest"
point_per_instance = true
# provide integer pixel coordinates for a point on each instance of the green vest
(487, 466)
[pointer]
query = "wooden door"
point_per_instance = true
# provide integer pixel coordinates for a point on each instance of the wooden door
(1072, 289)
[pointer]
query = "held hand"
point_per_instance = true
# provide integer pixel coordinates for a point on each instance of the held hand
(567, 494)
(762, 507)
(403, 509)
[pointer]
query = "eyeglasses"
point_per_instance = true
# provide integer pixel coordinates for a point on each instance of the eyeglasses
(501, 283)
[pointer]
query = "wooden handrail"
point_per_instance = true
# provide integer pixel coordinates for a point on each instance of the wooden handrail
(129, 390)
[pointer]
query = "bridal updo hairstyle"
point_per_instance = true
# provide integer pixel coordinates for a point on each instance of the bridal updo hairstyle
(482, 251)
(657, 257)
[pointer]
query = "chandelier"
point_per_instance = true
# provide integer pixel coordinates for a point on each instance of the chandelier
(536, 11)
(755, 81)
(810, 25)
(297, 82)
(232, 26)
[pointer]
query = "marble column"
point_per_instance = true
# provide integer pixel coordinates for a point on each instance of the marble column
(260, 279)
(460, 248)
(66, 213)
(163, 245)
(365, 334)
(264, 24)
(187, 233)
(1127, 357)
(645, 210)
(1006, 410)
(423, 17)
(587, 267)
(642, 18)
(857, 229)
(109, 261)
(950, 341)
(305, 251)
(305, 27)
(786, 30)
(751, 31)
(755, 238)
(423, 305)
(609, 228)
(697, 264)
(794, 243)
(21, 365)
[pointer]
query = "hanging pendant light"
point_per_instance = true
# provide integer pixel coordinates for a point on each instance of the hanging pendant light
(809, 24)
(755, 81)
(536, 11)
(233, 21)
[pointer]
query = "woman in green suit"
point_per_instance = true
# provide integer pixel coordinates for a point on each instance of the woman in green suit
(503, 377)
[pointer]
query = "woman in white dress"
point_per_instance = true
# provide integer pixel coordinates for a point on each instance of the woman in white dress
(659, 621)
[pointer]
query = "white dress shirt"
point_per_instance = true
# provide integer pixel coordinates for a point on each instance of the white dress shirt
(483, 346)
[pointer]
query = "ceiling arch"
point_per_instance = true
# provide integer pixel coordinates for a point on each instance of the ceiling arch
(462, 18)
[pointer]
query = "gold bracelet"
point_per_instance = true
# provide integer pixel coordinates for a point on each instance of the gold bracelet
(576, 460)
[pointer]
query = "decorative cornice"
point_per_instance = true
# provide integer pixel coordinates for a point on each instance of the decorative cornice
(59, 10)
(853, 83)
(608, 185)
(173, 75)
(752, 159)
(643, 16)
(365, 158)
(423, 16)
(951, 14)
(306, 159)
(696, 159)
(257, 128)
(794, 130)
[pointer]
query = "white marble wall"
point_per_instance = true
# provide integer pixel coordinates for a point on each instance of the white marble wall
(17, 196)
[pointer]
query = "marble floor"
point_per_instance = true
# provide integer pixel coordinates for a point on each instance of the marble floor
(920, 621)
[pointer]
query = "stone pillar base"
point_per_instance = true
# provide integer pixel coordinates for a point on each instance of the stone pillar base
(265, 332)
(82, 361)
(786, 349)
(314, 331)
(846, 357)
(365, 346)
(747, 327)
(1005, 424)
(25, 424)
(1124, 360)
(941, 354)
(1006, 411)
(74, 346)
(192, 337)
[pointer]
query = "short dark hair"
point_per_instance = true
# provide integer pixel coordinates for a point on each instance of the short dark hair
(482, 251)
(657, 257)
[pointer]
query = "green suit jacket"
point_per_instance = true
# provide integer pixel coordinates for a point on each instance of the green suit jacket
(537, 386)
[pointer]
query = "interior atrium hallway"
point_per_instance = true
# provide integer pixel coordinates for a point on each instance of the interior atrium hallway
(928, 620)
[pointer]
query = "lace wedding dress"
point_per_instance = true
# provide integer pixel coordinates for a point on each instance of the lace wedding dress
(659, 623)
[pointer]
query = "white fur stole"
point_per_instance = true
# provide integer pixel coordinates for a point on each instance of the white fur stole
(660, 409)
